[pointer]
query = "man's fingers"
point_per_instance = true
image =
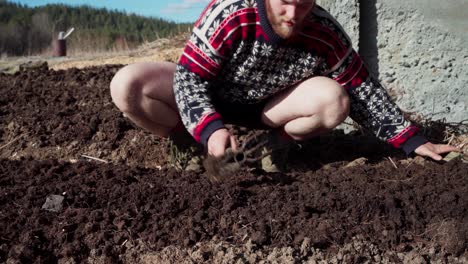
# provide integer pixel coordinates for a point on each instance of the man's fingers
(433, 150)
(233, 143)
(218, 142)
(446, 148)
(428, 153)
(435, 156)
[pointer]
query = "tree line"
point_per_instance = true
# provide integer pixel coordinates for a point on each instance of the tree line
(30, 30)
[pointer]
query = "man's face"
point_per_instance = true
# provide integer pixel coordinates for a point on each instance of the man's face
(286, 16)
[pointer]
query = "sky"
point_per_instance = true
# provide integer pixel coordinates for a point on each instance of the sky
(174, 10)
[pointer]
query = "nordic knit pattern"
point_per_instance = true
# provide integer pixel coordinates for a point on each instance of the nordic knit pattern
(234, 53)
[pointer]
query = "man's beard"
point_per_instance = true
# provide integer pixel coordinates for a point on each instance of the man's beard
(277, 23)
(284, 31)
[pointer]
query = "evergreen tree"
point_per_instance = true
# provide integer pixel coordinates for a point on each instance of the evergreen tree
(26, 31)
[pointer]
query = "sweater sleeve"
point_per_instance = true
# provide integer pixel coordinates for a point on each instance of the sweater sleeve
(215, 35)
(372, 107)
(197, 68)
(370, 104)
(194, 103)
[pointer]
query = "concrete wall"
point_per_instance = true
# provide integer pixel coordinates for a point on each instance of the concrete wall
(347, 13)
(418, 49)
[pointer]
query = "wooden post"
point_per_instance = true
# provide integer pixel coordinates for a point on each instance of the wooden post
(60, 48)
(60, 44)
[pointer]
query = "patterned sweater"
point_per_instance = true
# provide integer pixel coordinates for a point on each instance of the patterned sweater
(234, 53)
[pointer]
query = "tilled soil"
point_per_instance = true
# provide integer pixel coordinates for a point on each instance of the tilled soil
(128, 202)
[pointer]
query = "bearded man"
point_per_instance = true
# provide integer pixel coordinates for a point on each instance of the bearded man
(281, 64)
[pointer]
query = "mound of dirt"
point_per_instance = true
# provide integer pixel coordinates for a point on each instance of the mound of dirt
(127, 204)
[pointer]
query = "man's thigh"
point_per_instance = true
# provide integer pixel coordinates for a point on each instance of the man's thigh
(305, 99)
(151, 79)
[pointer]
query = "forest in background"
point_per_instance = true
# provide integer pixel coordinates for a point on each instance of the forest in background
(30, 30)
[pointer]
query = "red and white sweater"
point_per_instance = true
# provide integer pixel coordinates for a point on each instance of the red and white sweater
(234, 53)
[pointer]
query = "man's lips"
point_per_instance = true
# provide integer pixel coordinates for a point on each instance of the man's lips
(288, 23)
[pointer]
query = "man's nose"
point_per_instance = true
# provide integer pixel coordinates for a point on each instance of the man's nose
(291, 12)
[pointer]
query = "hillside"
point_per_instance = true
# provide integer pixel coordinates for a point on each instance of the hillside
(30, 30)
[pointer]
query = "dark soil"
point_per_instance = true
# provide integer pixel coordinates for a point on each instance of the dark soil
(50, 118)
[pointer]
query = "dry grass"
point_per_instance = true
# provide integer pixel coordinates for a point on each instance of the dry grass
(159, 50)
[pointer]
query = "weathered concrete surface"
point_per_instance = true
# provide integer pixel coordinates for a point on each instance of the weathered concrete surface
(416, 48)
(347, 13)
(451, 15)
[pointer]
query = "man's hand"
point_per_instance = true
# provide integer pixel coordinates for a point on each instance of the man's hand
(433, 150)
(219, 141)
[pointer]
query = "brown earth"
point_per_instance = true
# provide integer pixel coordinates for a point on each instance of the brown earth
(346, 198)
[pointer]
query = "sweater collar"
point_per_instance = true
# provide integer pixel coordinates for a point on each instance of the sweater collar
(272, 36)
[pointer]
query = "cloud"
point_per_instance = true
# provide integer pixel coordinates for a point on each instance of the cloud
(184, 6)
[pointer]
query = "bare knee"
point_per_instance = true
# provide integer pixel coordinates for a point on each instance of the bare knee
(334, 102)
(126, 89)
(139, 81)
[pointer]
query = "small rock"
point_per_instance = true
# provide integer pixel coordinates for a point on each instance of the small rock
(249, 246)
(413, 257)
(53, 203)
(357, 162)
(419, 160)
(10, 70)
(339, 256)
(452, 155)
(11, 125)
(305, 247)
(34, 65)
(195, 164)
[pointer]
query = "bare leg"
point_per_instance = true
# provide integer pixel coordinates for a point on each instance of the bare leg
(144, 93)
(308, 109)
